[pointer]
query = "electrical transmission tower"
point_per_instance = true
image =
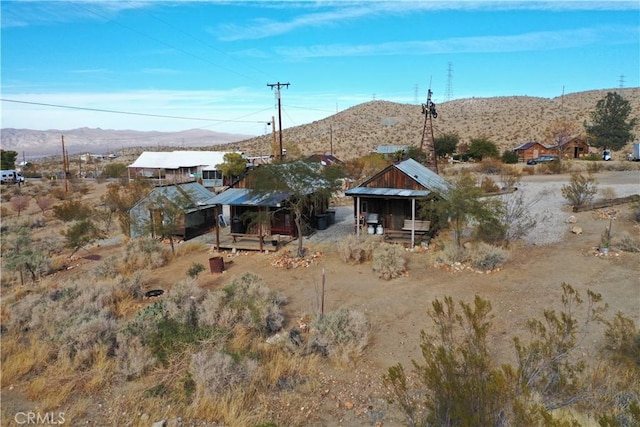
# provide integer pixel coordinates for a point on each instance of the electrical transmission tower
(449, 96)
(621, 81)
(428, 141)
(278, 86)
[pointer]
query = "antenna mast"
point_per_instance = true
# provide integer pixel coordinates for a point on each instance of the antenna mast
(428, 140)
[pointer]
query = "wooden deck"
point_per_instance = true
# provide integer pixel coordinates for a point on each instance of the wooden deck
(250, 242)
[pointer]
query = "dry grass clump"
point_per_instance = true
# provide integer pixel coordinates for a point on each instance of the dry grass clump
(187, 248)
(139, 254)
(629, 243)
(389, 261)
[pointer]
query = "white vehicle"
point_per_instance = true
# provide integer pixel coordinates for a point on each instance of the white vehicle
(11, 176)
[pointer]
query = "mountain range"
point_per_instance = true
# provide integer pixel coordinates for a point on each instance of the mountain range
(507, 121)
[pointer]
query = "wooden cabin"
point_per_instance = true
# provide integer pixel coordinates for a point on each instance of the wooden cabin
(392, 201)
(187, 206)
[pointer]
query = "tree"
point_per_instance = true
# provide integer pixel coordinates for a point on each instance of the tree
(20, 202)
(44, 203)
(168, 214)
(234, 165)
(120, 198)
(8, 159)
(462, 202)
(446, 144)
(610, 126)
(114, 170)
(23, 254)
(482, 147)
(80, 234)
(307, 186)
(558, 132)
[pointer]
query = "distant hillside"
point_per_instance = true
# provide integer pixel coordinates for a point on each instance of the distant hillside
(507, 121)
(35, 143)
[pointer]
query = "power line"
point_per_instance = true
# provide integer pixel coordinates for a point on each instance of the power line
(101, 110)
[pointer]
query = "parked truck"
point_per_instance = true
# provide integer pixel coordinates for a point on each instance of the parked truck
(11, 176)
(635, 153)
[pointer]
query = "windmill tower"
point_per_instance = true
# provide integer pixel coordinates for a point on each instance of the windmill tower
(428, 141)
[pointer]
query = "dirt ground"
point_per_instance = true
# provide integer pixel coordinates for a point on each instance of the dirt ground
(527, 284)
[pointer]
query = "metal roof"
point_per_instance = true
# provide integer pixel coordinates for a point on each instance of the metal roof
(386, 192)
(195, 193)
(431, 181)
(390, 149)
(178, 159)
(243, 197)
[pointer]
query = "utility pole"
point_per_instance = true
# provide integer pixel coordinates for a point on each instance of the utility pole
(278, 86)
(274, 144)
(65, 166)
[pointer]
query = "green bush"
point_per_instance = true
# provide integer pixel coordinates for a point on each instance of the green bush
(509, 157)
(581, 189)
(72, 210)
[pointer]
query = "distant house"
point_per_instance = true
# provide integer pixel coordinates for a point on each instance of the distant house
(180, 166)
(392, 150)
(572, 148)
(568, 148)
(531, 150)
(191, 201)
(389, 201)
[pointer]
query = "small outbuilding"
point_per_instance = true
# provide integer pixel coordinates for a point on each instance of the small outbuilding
(572, 148)
(391, 202)
(184, 210)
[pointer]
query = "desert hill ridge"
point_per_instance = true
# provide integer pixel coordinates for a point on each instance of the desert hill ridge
(506, 120)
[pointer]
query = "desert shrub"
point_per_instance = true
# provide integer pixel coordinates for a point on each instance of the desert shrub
(134, 358)
(215, 372)
(623, 339)
(580, 190)
(109, 268)
(509, 157)
(629, 243)
(144, 253)
(337, 331)
(195, 269)
(488, 257)
(459, 383)
(594, 167)
(489, 166)
(72, 210)
(488, 185)
(189, 248)
(245, 302)
(357, 250)
(453, 253)
(389, 261)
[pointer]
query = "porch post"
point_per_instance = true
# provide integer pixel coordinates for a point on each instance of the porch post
(413, 223)
(358, 216)
(217, 230)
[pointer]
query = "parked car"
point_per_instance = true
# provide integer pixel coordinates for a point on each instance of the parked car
(542, 159)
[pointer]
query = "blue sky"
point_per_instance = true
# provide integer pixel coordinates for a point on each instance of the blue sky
(207, 64)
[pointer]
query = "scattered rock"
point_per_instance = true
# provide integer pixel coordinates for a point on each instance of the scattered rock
(572, 219)
(576, 230)
(161, 423)
(348, 405)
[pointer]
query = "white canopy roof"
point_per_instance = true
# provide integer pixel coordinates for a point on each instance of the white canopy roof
(178, 159)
